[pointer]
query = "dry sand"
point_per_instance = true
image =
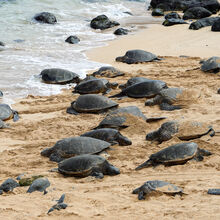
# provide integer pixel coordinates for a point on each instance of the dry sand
(44, 121)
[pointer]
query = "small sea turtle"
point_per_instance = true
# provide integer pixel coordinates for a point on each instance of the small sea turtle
(70, 147)
(40, 185)
(175, 154)
(133, 81)
(7, 113)
(184, 130)
(157, 186)
(211, 65)
(9, 185)
(94, 86)
(87, 165)
(91, 103)
(108, 71)
(137, 56)
(214, 191)
(59, 76)
(166, 98)
(110, 135)
(60, 204)
(146, 89)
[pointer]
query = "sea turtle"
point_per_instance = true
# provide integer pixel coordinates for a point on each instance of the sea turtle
(7, 113)
(87, 165)
(133, 81)
(110, 135)
(184, 130)
(214, 191)
(59, 76)
(91, 103)
(108, 71)
(60, 204)
(175, 154)
(94, 86)
(146, 89)
(40, 185)
(158, 187)
(9, 185)
(137, 56)
(211, 65)
(166, 98)
(69, 147)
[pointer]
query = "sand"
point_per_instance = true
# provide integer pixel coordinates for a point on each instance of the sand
(44, 121)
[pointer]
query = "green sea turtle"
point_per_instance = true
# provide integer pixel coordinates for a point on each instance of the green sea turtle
(211, 65)
(87, 165)
(7, 113)
(184, 130)
(59, 76)
(147, 89)
(137, 56)
(158, 187)
(175, 154)
(133, 81)
(91, 103)
(60, 204)
(93, 86)
(40, 185)
(108, 71)
(110, 135)
(69, 147)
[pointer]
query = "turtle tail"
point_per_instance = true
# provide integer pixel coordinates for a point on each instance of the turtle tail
(146, 164)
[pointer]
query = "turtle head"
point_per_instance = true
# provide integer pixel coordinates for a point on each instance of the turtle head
(123, 141)
(46, 152)
(112, 170)
(119, 59)
(146, 164)
(113, 85)
(204, 152)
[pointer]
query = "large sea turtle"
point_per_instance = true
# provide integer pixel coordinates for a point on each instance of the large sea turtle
(59, 76)
(158, 187)
(166, 98)
(184, 130)
(146, 89)
(69, 147)
(137, 56)
(91, 103)
(94, 86)
(110, 135)
(175, 154)
(7, 113)
(108, 71)
(211, 65)
(87, 165)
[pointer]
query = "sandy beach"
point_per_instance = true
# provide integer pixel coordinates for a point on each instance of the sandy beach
(44, 121)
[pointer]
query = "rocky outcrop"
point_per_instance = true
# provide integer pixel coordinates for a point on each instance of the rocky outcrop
(203, 22)
(196, 13)
(102, 22)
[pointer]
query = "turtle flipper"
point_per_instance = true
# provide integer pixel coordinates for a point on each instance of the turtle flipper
(141, 195)
(16, 116)
(119, 95)
(61, 199)
(107, 91)
(167, 107)
(97, 175)
(144, 165)
(70, 110)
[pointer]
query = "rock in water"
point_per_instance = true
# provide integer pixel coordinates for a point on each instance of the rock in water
(102, 22)
(121, 31)
(72, 40)
(45, 17)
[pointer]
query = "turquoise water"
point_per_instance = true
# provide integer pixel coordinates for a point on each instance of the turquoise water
(32, 47)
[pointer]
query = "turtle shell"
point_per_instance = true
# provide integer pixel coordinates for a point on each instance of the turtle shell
(146, 89)
(175, 154)
(59, 76)
(136, 56)
(133, 81)
(211, 65)
(80, 165)
(5, 112)
(69, 147)
(92, 103)
(91, 86)
(170, 95)
(108, 71)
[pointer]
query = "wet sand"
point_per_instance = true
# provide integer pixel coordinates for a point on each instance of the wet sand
(44, 121)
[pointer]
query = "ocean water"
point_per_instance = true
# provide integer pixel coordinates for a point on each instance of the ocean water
(32, 47)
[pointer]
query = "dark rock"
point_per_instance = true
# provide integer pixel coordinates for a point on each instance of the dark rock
(2, 44)
(121, 31)
(216, 25)
(157, 12)
(9, 185)
(1, 93)
(45, 17)
(172, 15)
(196, 13)
(72, 40)
(203, 22)
(218, 91)
(173, 21)
(102, 22)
